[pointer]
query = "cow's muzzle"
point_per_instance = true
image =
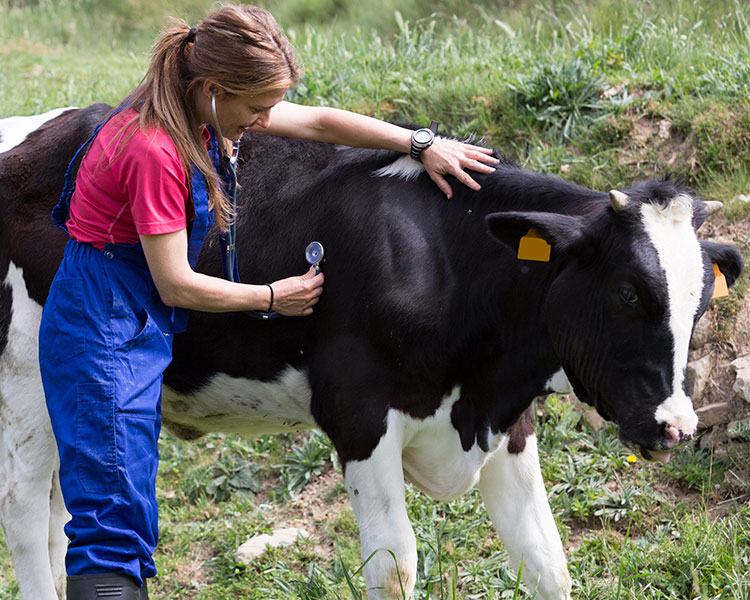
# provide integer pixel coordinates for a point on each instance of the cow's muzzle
(677, 437)
(672, 438)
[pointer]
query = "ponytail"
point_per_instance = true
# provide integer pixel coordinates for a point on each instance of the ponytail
(240, 49)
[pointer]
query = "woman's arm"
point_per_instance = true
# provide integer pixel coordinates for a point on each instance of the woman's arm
(444, 157)
(179, 285)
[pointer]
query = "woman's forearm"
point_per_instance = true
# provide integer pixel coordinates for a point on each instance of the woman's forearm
(332, 125)
(179, 285)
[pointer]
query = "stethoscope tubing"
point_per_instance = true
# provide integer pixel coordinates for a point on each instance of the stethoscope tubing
(231, 255)
(232, 162)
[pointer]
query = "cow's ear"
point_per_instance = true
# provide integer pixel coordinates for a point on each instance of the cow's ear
(729, 259)
(562, 232)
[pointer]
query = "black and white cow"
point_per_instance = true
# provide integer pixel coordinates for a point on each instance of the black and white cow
(429, 343)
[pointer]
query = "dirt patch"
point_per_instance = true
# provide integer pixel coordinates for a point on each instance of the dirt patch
(193, 572)
(316, 507)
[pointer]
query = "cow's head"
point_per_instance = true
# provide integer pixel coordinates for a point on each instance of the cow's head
(630, 283)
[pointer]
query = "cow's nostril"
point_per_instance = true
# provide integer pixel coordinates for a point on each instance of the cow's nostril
(686, 437)
(673, 436)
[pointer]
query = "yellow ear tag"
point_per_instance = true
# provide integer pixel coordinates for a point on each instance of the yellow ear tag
(720, 284)
(533, 247)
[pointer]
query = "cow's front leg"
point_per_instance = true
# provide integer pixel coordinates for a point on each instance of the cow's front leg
(27, 465)
(58, 541)
(376, 490)
(513, 491)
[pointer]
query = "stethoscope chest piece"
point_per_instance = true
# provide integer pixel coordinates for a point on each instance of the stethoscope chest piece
(314, 255)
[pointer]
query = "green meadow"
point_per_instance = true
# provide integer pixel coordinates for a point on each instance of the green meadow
(600, 92)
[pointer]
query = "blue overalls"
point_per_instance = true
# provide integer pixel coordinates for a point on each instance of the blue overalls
(104, 342)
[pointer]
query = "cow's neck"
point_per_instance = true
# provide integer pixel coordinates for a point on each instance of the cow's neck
(514, 189)
(511, 358)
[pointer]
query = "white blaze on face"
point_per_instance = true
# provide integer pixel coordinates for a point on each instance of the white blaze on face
(671, 232)
(13, 130)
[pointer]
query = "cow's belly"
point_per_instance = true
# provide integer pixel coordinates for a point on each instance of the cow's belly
(236, 405)
(433, 459)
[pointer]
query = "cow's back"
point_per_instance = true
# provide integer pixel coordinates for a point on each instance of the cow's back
(31, 179)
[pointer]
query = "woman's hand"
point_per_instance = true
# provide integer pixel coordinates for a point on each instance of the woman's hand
(332, 125)
(450, 157)
(179, 285)
(295, 296)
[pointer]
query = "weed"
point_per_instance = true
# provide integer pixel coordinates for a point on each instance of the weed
(722, 135)
(618, 504)
(562, 96)
(314, 587)
(304, 462)
(741, 430)
(694, 466)
(232, 476)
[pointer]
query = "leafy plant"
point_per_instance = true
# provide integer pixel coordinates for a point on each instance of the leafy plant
(619, 504)
(741, 429)
(307, 460)
(695, 467)
(234, 476)
(562, 96)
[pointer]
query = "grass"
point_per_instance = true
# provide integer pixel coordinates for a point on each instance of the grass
(632, 530)
(601, 92)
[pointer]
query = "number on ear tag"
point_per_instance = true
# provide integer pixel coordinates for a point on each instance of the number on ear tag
(533, 247)
(720, 283)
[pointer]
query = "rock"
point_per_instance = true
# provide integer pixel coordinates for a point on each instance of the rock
(699, 372)
(713, 437)
(256, 546)
(665, 129)
(741, 385)
(703, 333)
(594, 420)
(714, 414)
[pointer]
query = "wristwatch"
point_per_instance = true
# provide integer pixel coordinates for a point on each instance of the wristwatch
(422, 139)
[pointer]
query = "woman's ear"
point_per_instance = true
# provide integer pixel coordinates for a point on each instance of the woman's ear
(209, 88)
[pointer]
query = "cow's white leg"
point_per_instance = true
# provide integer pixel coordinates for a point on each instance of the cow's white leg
(58, 542)
(28, 454)
(513, 491)
(376, 490)
(26, 478)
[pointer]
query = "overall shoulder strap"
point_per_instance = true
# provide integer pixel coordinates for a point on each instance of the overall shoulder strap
(61, 211)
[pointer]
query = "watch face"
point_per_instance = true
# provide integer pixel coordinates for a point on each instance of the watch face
(422, 136)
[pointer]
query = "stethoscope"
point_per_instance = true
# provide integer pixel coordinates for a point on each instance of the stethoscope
(314, 252)
(231, 161)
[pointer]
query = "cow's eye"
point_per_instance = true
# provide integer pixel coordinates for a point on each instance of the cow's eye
(628, 295)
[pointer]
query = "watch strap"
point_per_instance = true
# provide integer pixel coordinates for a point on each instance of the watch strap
(416, 148)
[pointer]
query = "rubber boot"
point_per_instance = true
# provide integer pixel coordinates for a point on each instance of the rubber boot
(105, 586)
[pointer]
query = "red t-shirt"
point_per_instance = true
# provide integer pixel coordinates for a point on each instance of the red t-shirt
(126, 190)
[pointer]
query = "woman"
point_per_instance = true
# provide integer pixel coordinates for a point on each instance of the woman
(146, 193)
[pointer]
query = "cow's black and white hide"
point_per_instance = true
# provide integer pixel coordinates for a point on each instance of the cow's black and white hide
(429, 343)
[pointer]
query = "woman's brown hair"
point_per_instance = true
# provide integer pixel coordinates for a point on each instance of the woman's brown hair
(238, 48)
